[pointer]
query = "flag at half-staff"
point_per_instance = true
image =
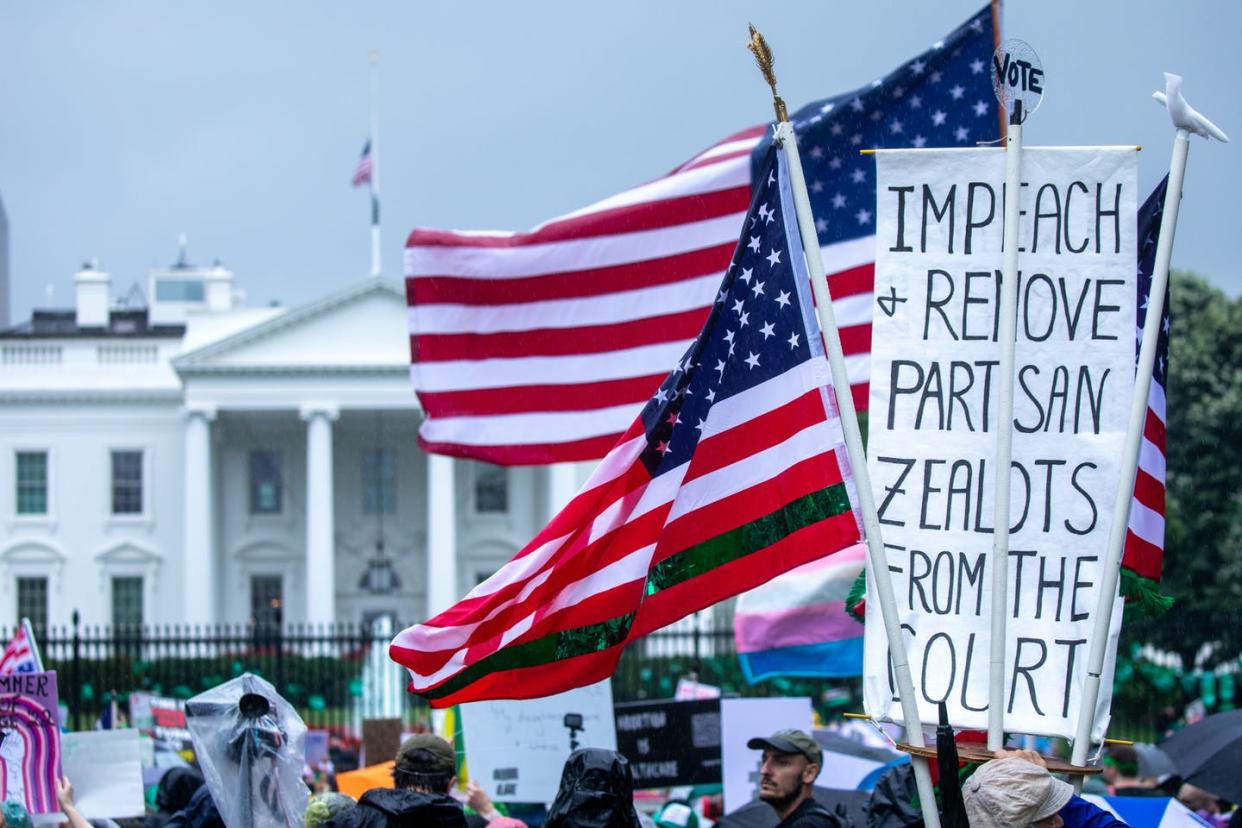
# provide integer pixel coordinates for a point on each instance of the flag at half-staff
(733, 473)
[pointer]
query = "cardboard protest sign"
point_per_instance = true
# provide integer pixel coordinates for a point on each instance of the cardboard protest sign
(742, 720)
(163, 719)
(30, 740)
(516, 749)
(106, 770)
(670, 742)
(932, 425)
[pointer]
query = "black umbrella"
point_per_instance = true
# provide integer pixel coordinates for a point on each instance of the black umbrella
(1208, 754)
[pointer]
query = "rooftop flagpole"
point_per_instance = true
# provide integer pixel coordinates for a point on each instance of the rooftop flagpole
(373, 58)
(877, 555)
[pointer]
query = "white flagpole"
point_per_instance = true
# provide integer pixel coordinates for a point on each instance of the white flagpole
(34, 645)
(876, 554)
(373, 57)
(883, 585)
(1007, 333)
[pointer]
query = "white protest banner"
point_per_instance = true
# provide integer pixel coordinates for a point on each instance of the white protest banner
(742, 720)
(932, 424)
(105, 767)
(515, 749)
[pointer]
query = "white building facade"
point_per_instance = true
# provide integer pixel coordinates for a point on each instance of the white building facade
(197, 462)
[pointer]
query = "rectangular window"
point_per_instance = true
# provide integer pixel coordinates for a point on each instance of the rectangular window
(179, 290)
(32, 603)
(32, 482)
(491, 489)
(379, 481)
(126, 482)
(266, 601)
(126, 602)
(266, 487)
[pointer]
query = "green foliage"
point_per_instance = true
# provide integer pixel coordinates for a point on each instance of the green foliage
(1203, 528)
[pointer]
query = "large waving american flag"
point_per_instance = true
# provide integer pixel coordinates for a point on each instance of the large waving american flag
(539, 347)
(732, 474)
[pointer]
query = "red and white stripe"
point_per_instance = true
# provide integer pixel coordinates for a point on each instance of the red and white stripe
(539, 347)
(18, 656)
(760, 449)
(1144, 550)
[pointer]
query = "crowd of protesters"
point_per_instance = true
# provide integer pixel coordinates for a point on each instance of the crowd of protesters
(1013, 790)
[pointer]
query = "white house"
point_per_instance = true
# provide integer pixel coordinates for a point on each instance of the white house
(193, 461)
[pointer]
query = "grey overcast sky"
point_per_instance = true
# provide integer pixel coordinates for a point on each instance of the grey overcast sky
(123, 124)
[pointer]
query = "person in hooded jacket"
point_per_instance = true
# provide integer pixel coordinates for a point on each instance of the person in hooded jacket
(173, 793)
(596, 791)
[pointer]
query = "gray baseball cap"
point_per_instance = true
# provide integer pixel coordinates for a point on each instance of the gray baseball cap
(790, 741)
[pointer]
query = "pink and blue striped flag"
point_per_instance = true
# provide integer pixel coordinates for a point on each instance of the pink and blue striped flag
(796, 624)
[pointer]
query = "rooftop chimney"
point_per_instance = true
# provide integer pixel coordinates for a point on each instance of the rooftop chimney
(91, 289)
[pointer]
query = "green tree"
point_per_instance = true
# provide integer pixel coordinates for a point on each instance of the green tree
(1203, 530)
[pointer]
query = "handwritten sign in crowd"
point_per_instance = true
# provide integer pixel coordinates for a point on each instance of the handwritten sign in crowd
(933, 422)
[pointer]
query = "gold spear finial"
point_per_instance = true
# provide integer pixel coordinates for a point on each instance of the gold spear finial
(763, 56)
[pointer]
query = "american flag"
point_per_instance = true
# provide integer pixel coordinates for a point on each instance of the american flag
(538, 347)
(362, 172)
(731, 475)
(1144, 549)
(20, 654)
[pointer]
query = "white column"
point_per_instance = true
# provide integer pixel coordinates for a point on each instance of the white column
(441, 534)
(198, 548)
(562, 480)
(320, 520)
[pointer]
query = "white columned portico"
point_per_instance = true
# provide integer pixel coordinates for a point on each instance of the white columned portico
(198, 561)
(320, 519)
(562, 483)
(441, 534)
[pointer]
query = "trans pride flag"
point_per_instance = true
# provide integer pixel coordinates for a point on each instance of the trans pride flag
(796, 624)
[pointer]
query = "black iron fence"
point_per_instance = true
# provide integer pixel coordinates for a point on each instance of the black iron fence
(337, 675)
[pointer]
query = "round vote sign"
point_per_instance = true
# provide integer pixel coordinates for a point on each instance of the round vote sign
(1017, 78)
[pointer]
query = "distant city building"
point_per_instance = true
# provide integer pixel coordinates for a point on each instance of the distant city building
(197, 461)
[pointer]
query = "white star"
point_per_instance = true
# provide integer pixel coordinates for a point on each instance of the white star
(876, 115)
(961, 133)
(746, 274)
(673, 419)
(919, 142)
(917, 67)
(763, 211)
(767, 330)
(774, 258)
(720, 297)
(720, 366)
(744, 320)
(838, 201)
(771, 177)
(835, 129)
(758, 289)
(976, 25)
(863, 216)
(834, 164)
(916, 101)
(817, 152)
(793, 341)
(976, 66)
(771, 216)
(821, 225)
(728, 337)
(782, 298)
(936, 76)
(957, 91)
(737, 306)
(981, 108)
(857, 104)
(855, 139)
(859, 176)
(939, 44)
(896, 127)
(876, 83)
(661, 395)
(938, 117)
(826, 108)
(1166, 326)
(700, 425)
(754, 243)
(711, 392)
(752, 360)
(662, 447)
(817, 186)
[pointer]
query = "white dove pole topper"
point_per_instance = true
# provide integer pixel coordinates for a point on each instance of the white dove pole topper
(1018, 80)
(1186, 120)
